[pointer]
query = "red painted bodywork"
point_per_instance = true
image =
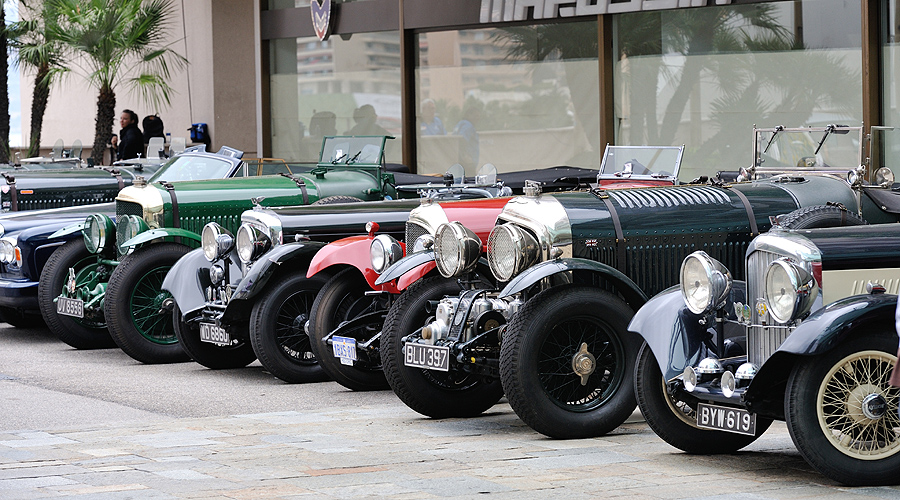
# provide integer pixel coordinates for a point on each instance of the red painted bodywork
(478, 215)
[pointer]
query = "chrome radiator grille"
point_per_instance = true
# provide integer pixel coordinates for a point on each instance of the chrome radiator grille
(413, 231)
(128, 208)
(762, 341)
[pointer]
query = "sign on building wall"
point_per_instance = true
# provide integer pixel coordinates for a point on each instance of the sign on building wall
(322, 18)
(495, 11)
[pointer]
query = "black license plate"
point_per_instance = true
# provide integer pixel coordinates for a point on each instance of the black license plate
(429, 357)
(723, 418)
(70, 307)
(213, 334)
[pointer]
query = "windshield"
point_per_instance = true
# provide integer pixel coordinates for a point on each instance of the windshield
(808, 149)
(193, 168)
(640, 161)
(363, 150)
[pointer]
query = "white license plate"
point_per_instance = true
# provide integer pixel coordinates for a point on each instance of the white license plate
(70, 307)
(430, 357)
(722, 418)
(345, 349)
(213, 334)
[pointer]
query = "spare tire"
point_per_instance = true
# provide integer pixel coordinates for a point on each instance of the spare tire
(819, 216)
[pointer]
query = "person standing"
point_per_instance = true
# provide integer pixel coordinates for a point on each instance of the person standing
(131, 143)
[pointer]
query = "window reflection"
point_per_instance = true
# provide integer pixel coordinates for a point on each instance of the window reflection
(520, 98)
(704, 77)
(334, 87)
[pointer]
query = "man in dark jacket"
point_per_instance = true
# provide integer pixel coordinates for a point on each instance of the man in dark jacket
(131, 143)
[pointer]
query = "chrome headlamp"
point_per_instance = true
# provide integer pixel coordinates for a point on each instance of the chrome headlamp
(790, 290)
(423, 242)
(8, 253)
(456, 249)
(216, 241)
(251, 243)
(128, 227)
(511, 250)
(97, 231)
(884, 177)
(705, 282)
(384, 251)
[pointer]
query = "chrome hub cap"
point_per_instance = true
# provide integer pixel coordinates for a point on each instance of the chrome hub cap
(583, 363)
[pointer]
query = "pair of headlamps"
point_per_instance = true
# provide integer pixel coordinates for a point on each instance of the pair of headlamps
(789, 289)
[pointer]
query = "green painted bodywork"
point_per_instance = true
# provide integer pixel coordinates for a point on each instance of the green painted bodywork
(154, 234)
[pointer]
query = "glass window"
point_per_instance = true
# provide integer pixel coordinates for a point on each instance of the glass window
(886, 141)
(521, 98)
(288, 4)
(703, 77)
(337, 87)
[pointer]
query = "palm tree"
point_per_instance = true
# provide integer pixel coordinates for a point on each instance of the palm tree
(37, 50)
(121, 42)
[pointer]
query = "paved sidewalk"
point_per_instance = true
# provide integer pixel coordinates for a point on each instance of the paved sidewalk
(87, 440)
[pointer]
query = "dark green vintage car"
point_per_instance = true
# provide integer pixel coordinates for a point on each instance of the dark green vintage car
(808, 338)
(106, 288)
(569, 270)
(65, 187)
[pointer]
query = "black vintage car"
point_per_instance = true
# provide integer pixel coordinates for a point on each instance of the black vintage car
(52, 188)
(809, 338)
(571, 269)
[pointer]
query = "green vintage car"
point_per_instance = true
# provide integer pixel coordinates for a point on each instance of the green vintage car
(105, 288)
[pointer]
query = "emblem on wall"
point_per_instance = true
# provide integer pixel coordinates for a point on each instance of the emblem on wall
(322, 18)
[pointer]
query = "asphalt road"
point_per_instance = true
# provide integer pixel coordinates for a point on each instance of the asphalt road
(98, 425)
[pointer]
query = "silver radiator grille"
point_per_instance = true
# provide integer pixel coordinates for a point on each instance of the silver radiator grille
(762, 341)
(413, 231)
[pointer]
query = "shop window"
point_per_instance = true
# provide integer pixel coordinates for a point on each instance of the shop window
(328, 89)
(886, 141)
(703, 77)
(524, 97)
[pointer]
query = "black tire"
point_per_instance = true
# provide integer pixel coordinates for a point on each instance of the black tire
(432, 393)
(539, 350)
(212, 356)
(331, 200)
(341, 299)
(84, 333)
(819, 216)
(135, 305)
(675, 420)
(824, 411)
(21, 319)
(278, 328)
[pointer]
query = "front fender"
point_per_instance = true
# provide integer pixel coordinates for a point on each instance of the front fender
(825, 329)
(673, 332)
(415, 275)
(74, 228)
(188, 279)
(263, 269)
(629, 290)
(155, 234)
(352, 251)
(830, 325)
(405, 265)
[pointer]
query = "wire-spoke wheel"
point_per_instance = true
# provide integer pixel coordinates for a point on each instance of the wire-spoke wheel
(278, 328)
(842, 412)
(567, 362)
(343, 299)
(674, 417)
(138, 310)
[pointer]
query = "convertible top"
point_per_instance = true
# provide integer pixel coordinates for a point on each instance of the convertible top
(552, 178)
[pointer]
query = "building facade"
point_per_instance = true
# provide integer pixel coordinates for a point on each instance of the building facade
(536, 83)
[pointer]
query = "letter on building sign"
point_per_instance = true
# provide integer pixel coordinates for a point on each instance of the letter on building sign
(495, 11)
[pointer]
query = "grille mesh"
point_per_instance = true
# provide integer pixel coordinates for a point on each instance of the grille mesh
(761, 342)
(128, 208)
(501, 253)
(413, 231)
